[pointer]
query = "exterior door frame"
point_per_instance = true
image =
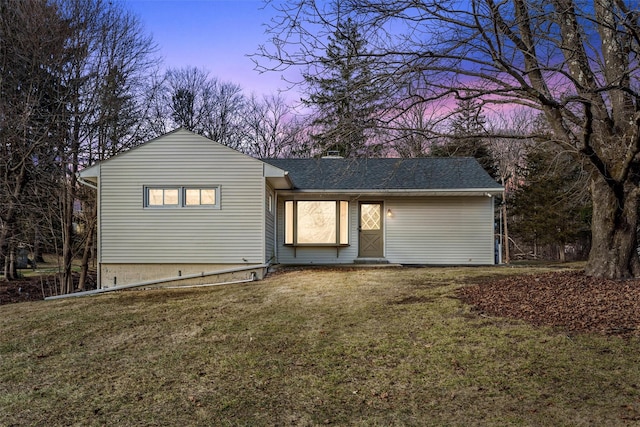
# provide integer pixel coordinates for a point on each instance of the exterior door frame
(371, 240)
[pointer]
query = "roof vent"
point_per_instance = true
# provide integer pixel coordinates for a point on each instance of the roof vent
(334, 154)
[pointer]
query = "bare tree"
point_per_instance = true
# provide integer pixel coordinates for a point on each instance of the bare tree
(32, 56)
(70, 79)
(271, 128)
(509, 153)
(118, 78)
(226, 124)
(189, 97)
(575, 62)
(413, 132)
(111, 57)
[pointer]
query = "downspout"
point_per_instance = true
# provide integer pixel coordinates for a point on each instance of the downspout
(275, 226)
(87, 183)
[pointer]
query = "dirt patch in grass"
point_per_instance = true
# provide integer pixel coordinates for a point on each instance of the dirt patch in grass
(568, 300)
(414, 300)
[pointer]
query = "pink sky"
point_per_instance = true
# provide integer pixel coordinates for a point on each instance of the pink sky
(216, 35)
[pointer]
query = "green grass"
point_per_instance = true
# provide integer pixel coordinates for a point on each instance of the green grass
(341, 347)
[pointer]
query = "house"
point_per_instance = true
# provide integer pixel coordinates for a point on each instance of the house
(181, 206)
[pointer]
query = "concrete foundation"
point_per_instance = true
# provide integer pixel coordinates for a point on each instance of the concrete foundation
(125, 274)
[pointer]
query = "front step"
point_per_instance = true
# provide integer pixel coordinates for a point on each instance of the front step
(371, 261)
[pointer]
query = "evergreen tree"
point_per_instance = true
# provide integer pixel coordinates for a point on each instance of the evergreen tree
(344, 95)
(551, 207)
(467, 129)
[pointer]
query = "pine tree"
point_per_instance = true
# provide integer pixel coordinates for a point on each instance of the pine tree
(466, 129)
(344, 95)
(551, 207)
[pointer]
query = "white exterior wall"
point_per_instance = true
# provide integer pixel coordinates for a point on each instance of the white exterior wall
(132, 234)
(440, 230)
(421, 230)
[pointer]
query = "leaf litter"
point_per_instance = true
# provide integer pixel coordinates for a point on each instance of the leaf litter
(567, 300)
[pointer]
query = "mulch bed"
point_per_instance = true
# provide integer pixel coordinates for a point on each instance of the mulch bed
(34, 288)
(569, 301)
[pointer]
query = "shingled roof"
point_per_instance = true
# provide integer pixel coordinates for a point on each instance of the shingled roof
(428, 173)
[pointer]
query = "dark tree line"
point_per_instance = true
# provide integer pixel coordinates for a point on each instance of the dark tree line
(71, 74)
(575, 62)
(80, 82)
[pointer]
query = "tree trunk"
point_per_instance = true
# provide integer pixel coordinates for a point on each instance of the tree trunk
(613, 252)
(7, 252)
(561, 255)
(4, 251)
(37, 246)
(88, 250)
(13, 268)
(67, 240)
(507, 255)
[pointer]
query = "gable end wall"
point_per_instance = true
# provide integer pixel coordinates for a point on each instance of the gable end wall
(233, 234)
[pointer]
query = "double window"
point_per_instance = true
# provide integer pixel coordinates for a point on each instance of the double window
(175, 197)
(316, 222)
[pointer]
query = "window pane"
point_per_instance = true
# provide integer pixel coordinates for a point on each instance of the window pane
(192, 197)
(288, 223)
(171, 196)
(317, 222)
(155, 196)
(344, 223)
(208, 196)
(370, 216)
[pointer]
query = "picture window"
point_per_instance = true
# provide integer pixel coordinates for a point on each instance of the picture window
(316, 222)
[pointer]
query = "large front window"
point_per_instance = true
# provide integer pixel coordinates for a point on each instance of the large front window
(316, 222)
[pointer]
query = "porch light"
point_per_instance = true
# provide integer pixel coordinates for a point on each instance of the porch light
(389, 213)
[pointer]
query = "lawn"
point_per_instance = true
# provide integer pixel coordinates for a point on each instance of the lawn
(357, 347)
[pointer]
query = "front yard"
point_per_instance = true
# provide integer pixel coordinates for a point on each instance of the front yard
(309, 347)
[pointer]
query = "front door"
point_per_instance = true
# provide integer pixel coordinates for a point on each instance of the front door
(371, 242)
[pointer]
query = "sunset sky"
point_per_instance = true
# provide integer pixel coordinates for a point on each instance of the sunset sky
(216, 35)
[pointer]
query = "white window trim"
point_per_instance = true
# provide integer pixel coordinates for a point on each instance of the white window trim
(293, 239)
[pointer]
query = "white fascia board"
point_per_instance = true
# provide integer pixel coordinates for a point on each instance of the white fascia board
(90, 172)
(398, 193)
(277, 177)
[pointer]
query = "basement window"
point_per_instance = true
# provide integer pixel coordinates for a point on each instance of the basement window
(316, 223)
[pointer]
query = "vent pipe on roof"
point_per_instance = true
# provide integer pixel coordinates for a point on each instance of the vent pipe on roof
(332, 155)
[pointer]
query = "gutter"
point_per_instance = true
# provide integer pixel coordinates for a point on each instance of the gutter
(87, 183)
(165, 280)
(403, 192)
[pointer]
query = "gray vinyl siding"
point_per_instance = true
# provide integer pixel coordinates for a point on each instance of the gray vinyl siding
(270, 222)
(440, 230)
(421, 230)
(232, 234)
